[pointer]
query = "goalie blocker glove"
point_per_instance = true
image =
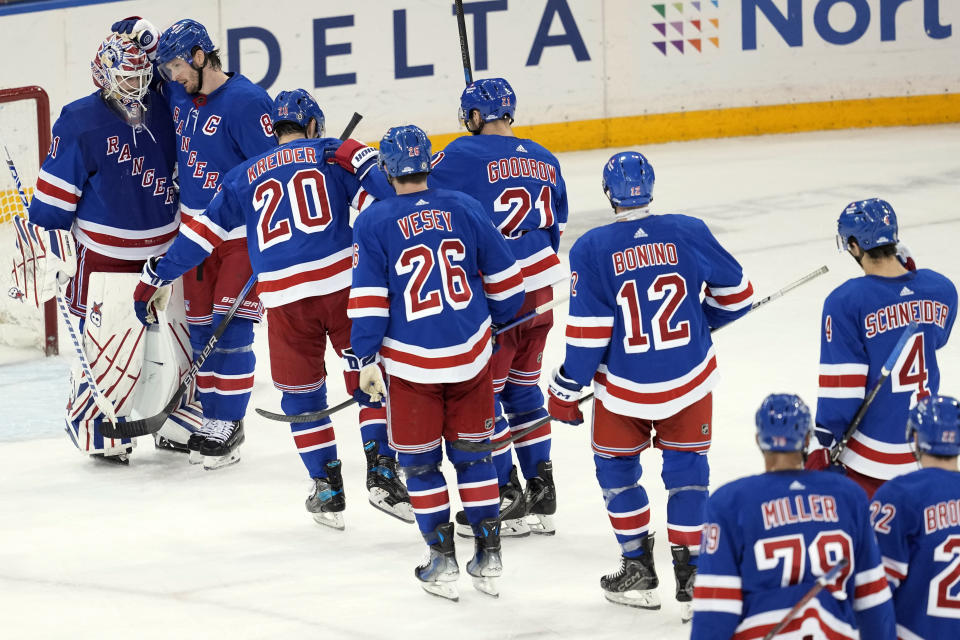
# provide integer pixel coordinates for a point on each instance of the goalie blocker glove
(564, 396)
(359, 371)
(151, 294)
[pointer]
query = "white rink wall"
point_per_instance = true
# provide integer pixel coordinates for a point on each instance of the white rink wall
(569, 60)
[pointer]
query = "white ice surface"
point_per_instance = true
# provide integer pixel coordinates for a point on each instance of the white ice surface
(165, 550)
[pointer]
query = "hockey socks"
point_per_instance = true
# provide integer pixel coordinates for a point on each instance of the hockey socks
(626, 501)
(685, 475)
(428, 490)
(373, 426)
(502, 457)
(225, 380)
(477, 484)
(533, 448)
(315, 441)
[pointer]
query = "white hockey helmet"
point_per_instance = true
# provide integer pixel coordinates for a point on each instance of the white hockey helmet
(122, 70)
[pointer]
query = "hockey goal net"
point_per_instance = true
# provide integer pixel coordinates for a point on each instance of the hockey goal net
(25, 131)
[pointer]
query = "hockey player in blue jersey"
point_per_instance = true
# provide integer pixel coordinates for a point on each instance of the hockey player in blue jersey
(639, 332)
(916, 517)
(520, 186)
(108, 177)
(769, 537)
(862, 321)
(430, 274)
(221, 120)
(295, 208)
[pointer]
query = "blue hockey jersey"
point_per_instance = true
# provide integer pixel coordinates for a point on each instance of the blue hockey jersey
(917, 521)
(215, 133)
(862, 321)
(637, 326)
(112, 183)
(294, 210)
(520, 186)
(766, 540)
(429, 271)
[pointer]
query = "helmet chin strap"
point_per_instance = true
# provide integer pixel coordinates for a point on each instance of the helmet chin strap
(199, 71)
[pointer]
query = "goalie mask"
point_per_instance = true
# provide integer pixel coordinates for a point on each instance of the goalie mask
(123, 72)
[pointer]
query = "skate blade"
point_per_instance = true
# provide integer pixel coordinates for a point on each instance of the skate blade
(401, 511)
(195, 457)
(686, 612)
(211, 463)
(517, 528)
(486, 585)
(636, 599)
(330, 519)
(541, 524)
(447, 590)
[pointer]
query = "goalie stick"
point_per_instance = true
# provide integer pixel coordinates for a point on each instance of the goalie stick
(477, 447)
(320, 415)
(822, 582)
(99, 399)
(464, 45)
(147, 426)
(885, 370)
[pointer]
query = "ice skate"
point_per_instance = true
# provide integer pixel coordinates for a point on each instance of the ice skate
(686, 574)
(635, 584)
(541, 500)
(166, 444)
(327, 501)
(387, 492)
(486, 565)
(197, 439)
(114, 455)
(222, 446)
(513, 509)
(438, 573)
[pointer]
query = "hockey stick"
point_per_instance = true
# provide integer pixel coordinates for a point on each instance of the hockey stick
(464, 45)
(781, 292)
(99, 399)
(476, 447)
(147, 426)
(320, 415)
(885, 370)
(822, 581)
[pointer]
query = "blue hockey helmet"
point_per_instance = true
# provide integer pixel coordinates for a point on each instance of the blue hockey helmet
(404, 151)
(628, 180)
(783, 422)
(297, 106)
(492, 97)
(872, 223)
(180, 40)
(936, 422)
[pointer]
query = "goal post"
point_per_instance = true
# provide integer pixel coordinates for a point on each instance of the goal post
(25, 130)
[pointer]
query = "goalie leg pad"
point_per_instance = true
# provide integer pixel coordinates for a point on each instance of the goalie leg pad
(427, 488)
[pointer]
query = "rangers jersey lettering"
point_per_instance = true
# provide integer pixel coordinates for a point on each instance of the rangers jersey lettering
(917, 521)
(112, 183)
(519, 184)
(766, 540)
(215, 133)
(637, 327)
(429, 271)
(862, 321)
(294, 210)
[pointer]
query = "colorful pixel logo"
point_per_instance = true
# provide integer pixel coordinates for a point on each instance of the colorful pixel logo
(685, 26)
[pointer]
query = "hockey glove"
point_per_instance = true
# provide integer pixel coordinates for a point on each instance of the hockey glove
(141, 31)
(563, 401)
(905, 257)
(354, 156)
(353, 365)
(152, 293)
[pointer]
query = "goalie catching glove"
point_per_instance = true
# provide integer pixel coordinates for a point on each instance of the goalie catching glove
(152, 293)
(364, 379)
(563, 404)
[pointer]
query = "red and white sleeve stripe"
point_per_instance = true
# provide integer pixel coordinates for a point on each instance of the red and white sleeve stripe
(731, 298)
(845, 380)
(362, 200)
(204, 232)
(503, 284)
(896, 571)
(870, 588)
(716, 593)
(589, 331)
(369, 301)
(56, 192)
